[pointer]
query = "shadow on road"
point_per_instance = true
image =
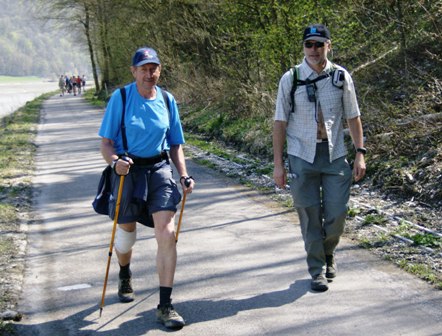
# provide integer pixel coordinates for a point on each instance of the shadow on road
(87, 322)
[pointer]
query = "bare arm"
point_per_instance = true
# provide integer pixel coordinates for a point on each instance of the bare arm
(355, 126)
(177, 156)
(109, 155)
(279, 138)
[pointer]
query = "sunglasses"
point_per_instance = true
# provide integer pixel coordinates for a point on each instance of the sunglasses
(317, 44)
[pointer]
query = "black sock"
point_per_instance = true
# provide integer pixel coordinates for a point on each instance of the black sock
(125, 272)
(165, 293)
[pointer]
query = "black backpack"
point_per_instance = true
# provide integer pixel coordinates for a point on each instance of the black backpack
(337, 75)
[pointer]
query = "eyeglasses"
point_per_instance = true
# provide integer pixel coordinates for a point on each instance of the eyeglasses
(317, 44)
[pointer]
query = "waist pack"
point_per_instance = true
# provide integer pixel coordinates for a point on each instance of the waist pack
(101, 203)
(101, 200)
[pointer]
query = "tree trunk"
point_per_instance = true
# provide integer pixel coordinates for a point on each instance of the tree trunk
(403, 39)
(91, 49)
(104, 44)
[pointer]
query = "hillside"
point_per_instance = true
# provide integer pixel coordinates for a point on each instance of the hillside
(404, 124)
(31, 47)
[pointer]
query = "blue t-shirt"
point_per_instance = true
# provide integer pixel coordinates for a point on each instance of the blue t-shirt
(147, 123)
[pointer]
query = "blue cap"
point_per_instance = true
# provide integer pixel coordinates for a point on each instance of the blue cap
(145, 55)
(316, 32)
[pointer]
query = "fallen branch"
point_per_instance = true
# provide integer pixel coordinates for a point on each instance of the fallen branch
(434, 117)
(362, 66)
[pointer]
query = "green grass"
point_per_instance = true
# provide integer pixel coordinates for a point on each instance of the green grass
(17, 133)
(422, 271)
(93, 99)
(420, 239)
(7, 329)
(425, 239)
(6, 244)
(374, 219)
(208, 146)
(16, 148)
(206, 163)
(12, 79)
(353, 212)
(8, 214)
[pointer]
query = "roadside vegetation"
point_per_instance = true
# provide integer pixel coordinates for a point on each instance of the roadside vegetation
(15, 79)
(223, 59)
(17, 150)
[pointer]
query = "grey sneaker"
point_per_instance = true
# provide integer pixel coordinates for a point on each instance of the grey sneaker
(125, 291)
(319, 283)
(168, 316)
(331, 269)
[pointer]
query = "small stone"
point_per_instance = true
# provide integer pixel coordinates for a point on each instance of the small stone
(10, 315)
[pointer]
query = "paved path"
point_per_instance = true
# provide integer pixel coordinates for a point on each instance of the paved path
(241, 268)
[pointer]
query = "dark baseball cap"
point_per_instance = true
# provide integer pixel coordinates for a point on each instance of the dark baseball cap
(145, 55)
(316, 32)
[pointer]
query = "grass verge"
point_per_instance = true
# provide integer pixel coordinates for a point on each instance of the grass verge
(12, 79)
(17, 151)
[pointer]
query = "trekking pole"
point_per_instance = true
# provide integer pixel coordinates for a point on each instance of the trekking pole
(111, 245)
(186, 183)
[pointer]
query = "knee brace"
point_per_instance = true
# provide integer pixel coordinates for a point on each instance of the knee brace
(124, 240)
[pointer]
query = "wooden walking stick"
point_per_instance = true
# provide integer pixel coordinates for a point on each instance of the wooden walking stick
(186, 183)
(111, 245)
(181, 217)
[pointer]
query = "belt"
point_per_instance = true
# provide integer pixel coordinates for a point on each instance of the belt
(321, 140)
(150, 160)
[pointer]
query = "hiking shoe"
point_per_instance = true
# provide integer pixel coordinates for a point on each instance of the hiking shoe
(331, 269)
(168, 316)
(125, 291)
(319, 283)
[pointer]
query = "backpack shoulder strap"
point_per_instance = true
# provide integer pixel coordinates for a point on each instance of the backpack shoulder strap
(295, 74)
(338, 76)
(166, 100)
(123, 125)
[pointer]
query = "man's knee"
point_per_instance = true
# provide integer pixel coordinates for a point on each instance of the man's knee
(164, 227)
(125, 240)
(164, 220)
(334, 221)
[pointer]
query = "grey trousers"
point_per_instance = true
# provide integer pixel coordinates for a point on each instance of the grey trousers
(320, 192)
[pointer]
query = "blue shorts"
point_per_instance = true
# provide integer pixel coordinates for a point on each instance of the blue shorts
(146, 190)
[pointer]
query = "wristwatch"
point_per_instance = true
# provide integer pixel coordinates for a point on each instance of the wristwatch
(114, 162)
(361, 150)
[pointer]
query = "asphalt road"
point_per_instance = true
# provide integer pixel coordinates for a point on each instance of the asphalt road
(241, 268)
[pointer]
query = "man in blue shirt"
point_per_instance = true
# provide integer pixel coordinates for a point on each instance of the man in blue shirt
(153, 132)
